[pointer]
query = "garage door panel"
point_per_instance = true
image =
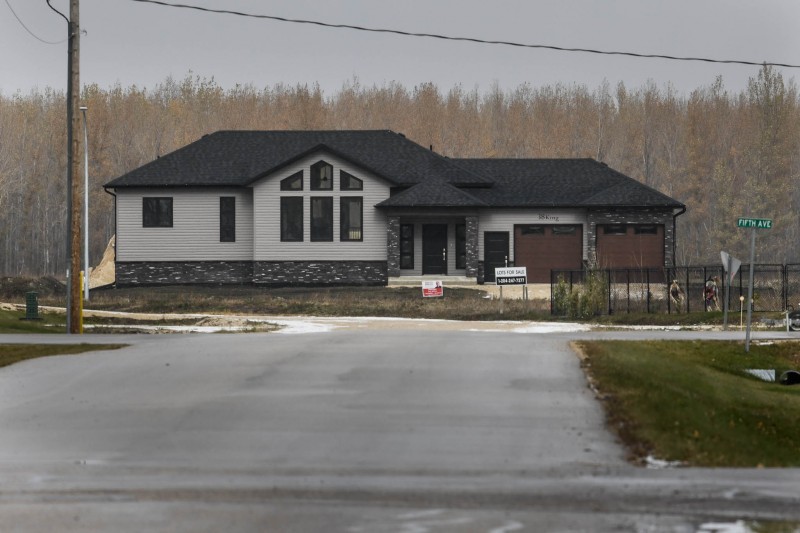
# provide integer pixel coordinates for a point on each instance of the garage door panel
(544, 247)
(630, 246)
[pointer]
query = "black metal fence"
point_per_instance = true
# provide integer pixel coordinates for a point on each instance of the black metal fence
(775, 288)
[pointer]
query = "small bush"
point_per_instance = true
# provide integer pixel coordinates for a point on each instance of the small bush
(581, 301)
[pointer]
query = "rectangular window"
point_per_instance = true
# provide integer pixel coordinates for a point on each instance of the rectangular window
(532, 230)
(291, 218)
(461, 246)
(351, 218)
(564, 230)
(227, 219)
(649, 229)
(322, 218)
(407, 246)
(616, 229)
(157, 212)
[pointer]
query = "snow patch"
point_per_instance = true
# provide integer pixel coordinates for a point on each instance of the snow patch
(659, 464)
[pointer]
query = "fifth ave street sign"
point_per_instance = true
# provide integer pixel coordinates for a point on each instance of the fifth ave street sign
(757, 223)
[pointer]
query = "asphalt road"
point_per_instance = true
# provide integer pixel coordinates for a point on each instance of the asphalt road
(394, 428)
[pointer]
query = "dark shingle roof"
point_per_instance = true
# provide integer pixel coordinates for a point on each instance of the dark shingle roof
(560, 183)
(433, 194)
(237, 158)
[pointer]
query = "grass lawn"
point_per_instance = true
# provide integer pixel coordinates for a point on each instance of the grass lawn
(691, 401)
(11, 322)
(14, 353)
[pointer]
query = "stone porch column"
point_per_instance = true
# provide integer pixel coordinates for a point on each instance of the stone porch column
(393, 247)
(472, 246)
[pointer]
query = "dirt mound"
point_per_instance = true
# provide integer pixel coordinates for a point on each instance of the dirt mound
(103, 274)
(15, 288)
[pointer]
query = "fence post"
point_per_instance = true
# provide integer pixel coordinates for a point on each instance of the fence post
(687, 292)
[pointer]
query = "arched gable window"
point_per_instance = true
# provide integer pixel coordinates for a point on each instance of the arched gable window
(321, 176)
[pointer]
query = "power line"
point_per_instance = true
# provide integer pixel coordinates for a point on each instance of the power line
(29, 30)
(470, 39)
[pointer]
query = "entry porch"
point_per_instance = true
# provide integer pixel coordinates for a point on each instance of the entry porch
(441, 246)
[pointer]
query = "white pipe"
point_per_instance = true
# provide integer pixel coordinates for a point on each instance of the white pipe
(85, 207)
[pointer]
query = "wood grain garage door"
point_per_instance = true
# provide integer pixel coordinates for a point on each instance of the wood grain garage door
(542, 248)
(630, 245)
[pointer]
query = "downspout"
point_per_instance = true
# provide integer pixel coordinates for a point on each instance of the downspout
(675, 234)
(116, 241)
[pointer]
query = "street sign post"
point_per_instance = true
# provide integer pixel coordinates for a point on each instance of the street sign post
(754, 224)
(731, 266)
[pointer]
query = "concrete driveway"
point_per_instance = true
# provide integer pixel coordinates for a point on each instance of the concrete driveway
(363, 428)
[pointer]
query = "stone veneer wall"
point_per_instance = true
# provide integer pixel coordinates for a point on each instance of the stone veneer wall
(472, 246)
(285, 273)
(639, 216)
(393, 246)
(182, 272)
(279, 273)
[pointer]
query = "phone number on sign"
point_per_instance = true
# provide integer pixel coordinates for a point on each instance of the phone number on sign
(515, 280)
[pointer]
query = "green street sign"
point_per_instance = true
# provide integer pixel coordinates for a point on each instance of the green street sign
(757, 223)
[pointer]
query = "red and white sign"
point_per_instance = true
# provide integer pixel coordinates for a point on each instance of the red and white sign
(432, 289)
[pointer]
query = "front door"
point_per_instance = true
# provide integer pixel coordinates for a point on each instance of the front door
(495, 253)
(434, 248)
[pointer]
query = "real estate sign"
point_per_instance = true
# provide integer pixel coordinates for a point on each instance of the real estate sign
(432, 289)
(511, 276)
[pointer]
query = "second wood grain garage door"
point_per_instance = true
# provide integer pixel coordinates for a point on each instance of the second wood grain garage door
(544, 247)
(630, 245)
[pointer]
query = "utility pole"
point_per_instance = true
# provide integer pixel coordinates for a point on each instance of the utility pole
(74, 318)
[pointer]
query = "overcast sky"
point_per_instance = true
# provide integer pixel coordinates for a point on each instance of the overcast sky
(131, 43)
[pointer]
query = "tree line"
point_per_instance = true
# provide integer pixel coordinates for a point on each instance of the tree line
(724, 154)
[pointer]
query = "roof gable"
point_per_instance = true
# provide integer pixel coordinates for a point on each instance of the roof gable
(237, 158)
(430, 194)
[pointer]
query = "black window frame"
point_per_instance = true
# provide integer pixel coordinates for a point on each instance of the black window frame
(645, 229)
(157, 212)
(288, 203)
(461, 246)
(288, 183)
(227, 219)
(321, 222)
(615, 229)
(406, 246)
(559, 230)
(532, 229)
(321, 174)
(345, 228)
(348, 182)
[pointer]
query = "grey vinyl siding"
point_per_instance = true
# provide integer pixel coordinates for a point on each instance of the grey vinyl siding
(266, 223)
(194, 235)
(506, 219)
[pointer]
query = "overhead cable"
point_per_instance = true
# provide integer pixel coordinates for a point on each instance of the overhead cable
(470, 39)
(29, 30)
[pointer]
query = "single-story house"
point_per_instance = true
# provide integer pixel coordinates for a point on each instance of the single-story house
(366, 207)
